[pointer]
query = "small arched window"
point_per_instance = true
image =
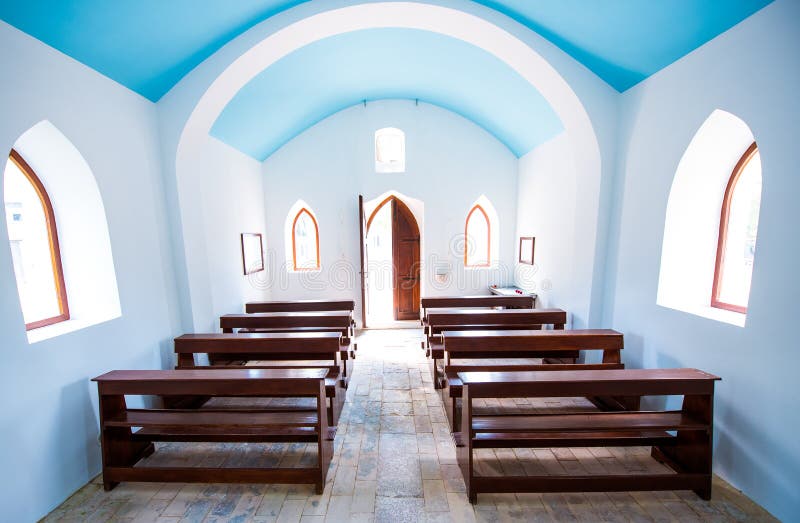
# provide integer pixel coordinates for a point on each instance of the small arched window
(305, 241)
(34, 246)
(738, 228)
(477, 238)
(390, 150)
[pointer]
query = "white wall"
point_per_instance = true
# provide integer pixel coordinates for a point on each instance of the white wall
(48, 424)
(585, 104)
(450, 162)
(546, 210)
(752, 72)
(230, 187)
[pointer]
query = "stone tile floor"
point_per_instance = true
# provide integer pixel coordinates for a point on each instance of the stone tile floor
(395, 461)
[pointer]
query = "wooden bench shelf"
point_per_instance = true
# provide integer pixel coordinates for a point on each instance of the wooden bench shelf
(222, 419)
(580, 422)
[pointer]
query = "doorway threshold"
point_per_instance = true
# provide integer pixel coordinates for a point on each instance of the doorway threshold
(395, 324)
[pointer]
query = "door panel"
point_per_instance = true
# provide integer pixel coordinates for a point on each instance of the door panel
(405, 253)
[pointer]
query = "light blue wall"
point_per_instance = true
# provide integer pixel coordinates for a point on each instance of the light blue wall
(48, 422)
(450, 162)
(187, 206)
(751, 71)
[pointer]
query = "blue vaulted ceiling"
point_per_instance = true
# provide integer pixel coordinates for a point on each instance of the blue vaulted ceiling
(329, 75)
(149, 45)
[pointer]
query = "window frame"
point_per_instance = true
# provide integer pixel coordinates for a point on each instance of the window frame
(488, 263)
(294, 241)
(719, 266)
(387, 167)
(55, 250)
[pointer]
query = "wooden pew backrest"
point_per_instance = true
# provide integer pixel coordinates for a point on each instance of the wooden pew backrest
(300, 306)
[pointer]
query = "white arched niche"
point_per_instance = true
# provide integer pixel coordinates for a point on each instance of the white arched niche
(691, 225)
(494, 231)
(288, 234)
(448, 21)
(85, 245)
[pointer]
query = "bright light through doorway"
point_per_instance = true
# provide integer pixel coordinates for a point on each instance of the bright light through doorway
(380, 298)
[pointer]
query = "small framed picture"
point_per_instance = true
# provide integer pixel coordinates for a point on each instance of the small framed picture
(526, 247)
(252, 252)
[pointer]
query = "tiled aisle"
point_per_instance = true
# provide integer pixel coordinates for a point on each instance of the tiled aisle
(395, 461)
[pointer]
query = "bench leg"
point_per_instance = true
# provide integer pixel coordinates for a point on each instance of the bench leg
(118, 448)
(693, 450)
(435, 373)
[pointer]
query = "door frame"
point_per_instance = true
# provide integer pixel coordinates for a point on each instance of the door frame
(369, 208)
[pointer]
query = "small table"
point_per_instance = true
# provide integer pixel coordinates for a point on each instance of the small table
(512, 291)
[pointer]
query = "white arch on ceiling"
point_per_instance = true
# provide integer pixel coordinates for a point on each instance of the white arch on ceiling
(467, 27)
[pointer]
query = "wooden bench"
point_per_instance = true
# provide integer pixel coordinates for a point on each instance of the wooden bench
(558, 348)
(304, 306)
(269, 351)
(466, 302)
(491, 319)
(123, 447)
(681, 439)
(295, 322)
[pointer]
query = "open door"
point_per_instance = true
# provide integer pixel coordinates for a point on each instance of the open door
(405, 254)
(362, 236)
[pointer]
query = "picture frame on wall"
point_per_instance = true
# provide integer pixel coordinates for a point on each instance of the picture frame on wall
(252, 252)
(527, 245)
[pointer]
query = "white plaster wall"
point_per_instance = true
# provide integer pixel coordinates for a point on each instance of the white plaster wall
(752, 72)
(586, 105)
(48, 421)
(230, 185)
(547, 211)
(450, 162)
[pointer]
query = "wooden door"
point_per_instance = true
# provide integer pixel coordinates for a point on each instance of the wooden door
(405, 256)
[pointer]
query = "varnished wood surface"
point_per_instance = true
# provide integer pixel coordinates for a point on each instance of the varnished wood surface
(498, 317)
(300, 306)
(518, 340)
(221, 343)
(208, 418)
(199, 375)
(589, 376)
(488, 300)
(286, 320)
(594, 422)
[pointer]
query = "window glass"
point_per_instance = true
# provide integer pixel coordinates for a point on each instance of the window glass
(477, 241)
(32, 253)
(306, 241)
(739, 245)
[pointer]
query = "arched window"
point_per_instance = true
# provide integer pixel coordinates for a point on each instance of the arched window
(390, 150)
(738, 227)
(477, 238)
(305, 241)
(34, 246)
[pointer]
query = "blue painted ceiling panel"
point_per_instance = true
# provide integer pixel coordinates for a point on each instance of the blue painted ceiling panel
(625, 41)
(149, 45)
(327, 76)
(146, 45)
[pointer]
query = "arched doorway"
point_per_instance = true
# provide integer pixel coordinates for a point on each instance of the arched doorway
(392, 256)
